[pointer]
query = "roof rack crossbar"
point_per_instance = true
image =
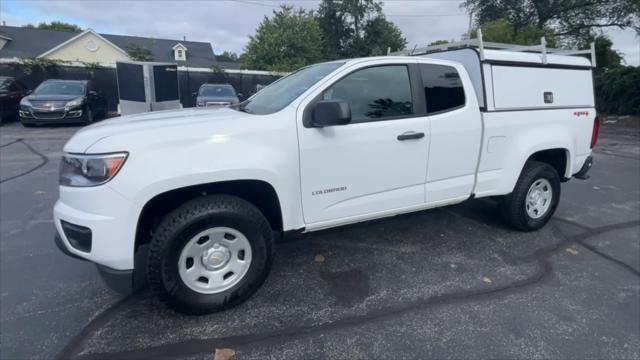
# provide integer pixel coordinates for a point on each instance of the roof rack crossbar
(482, 45)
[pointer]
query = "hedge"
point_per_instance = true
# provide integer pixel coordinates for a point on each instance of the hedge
(618, 91)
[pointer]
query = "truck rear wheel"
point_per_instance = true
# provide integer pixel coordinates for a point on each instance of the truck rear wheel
(210, 254)
(534, 198)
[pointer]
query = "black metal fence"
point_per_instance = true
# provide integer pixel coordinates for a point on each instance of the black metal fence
(105, 79)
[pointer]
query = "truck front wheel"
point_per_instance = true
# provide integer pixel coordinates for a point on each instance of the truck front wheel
(534, 198)
(210, 254)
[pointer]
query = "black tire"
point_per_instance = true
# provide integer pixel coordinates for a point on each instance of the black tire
(175, 231)
(513, 206)
(89, 115)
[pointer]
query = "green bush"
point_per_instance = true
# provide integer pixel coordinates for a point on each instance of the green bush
(618, 91)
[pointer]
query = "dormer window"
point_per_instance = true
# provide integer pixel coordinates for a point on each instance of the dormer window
(180, 52)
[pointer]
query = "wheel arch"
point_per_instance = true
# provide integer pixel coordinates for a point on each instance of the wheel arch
(258, 192)
(559, 158)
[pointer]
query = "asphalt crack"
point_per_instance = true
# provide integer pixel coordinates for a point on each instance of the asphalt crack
(44, 160)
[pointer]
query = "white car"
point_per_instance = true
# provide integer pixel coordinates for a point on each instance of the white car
(192, 199)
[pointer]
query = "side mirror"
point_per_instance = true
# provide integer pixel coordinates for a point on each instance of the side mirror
(194, 94)
(240, 95)
(93, 92)
(330, 113)
(29, 92)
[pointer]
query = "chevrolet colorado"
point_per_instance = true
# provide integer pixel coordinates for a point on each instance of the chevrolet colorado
(191, 200)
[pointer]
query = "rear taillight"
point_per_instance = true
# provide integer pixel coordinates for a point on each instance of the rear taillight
(596, 131)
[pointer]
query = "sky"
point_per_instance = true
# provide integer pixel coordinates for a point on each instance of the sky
(227, 24)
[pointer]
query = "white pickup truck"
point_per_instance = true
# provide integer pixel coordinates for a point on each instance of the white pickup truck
(192, 199)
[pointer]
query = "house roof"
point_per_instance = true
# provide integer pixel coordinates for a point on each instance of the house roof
(31, 42)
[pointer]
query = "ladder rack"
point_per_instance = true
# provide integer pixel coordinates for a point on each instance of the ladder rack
(484, 45)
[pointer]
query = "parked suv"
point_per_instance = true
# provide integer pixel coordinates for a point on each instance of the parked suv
(11, 92)
(216, 95)
(192, 200)
(63, 101)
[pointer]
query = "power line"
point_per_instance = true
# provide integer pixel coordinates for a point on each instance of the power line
(424, 15)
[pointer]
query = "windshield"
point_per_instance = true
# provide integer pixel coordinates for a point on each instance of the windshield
(60, 88)
(282, 92)
(217, 91)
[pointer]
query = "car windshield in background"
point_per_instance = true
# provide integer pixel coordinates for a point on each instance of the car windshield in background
(282, 92)
(217, 91)
(59, 88)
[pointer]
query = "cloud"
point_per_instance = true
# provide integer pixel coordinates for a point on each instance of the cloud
(227, 24)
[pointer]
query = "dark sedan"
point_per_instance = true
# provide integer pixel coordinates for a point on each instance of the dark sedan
(11, 92)
(63, 101)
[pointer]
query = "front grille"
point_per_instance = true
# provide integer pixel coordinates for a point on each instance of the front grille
(51, 115)
(217, 103)
(44, 104)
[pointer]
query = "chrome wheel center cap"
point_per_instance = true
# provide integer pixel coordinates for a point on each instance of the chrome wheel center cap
(535, 197)
(215, 257)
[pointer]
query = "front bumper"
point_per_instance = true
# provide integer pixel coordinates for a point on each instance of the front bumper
(111, 221)
(121, 281)
(32, 116)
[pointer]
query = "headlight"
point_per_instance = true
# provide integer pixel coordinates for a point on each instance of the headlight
(74, 102)
(25, 102)
(90, 170)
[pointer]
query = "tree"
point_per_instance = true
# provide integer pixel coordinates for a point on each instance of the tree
(290, 39)
(334, 28)
(358, 12)
(438, 42)
(353, 28)
(617, 90)
(503, 31)
(606, 57)
(228, 56)
(380, 35)
(139, 51)
(56, 25)
(569, 19)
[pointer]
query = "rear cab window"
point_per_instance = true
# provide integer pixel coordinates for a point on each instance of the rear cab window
(443, 88)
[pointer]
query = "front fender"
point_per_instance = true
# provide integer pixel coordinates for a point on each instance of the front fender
(172, 158)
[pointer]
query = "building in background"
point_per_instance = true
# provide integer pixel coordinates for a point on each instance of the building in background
(91, 47)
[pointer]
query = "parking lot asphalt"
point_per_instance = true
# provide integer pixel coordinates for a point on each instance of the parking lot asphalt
(446, 283)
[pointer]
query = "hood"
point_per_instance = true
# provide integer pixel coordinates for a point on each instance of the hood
(145, 122)
(53, 97)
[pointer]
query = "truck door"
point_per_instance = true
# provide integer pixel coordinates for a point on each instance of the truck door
(456, 133)
(378, 161)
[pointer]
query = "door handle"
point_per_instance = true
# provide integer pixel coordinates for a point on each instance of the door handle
(410, 135)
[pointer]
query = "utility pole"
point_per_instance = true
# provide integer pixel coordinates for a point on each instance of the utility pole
(470, 24)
